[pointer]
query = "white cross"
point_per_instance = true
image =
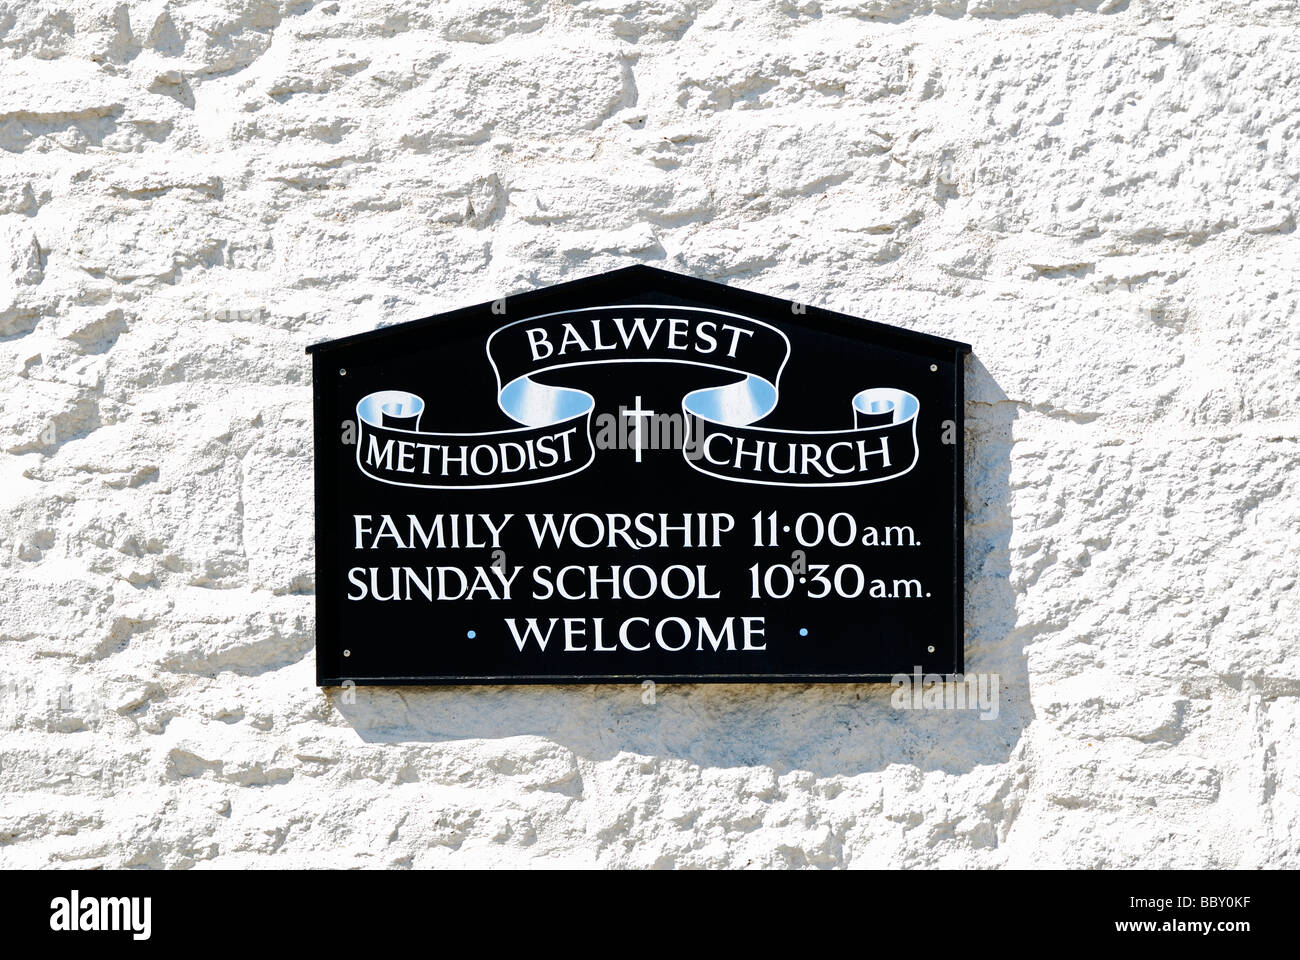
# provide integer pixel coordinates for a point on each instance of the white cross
(637, 413)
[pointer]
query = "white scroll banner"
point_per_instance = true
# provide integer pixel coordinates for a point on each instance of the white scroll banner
(554, 437)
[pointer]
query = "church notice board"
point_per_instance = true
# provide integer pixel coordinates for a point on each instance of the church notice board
(633, 476)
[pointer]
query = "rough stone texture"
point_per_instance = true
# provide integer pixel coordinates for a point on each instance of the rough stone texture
(1100, 196)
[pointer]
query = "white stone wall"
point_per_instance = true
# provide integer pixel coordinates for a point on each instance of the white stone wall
(1100, 196)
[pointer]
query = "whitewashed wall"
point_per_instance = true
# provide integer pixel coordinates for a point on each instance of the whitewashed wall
(1101, 197)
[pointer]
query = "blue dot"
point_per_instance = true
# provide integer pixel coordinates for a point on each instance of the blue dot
(803, 631)
(471, 634)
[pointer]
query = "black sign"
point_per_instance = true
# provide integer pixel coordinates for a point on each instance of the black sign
(638, 476)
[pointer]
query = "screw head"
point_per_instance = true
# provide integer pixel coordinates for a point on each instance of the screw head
(929, 649)
(343, 371)
(934, 367)
(347, 653)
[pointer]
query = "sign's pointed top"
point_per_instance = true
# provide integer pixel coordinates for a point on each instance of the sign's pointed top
(640, 284)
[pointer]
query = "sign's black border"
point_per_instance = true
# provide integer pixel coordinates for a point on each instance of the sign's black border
(325, 355)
